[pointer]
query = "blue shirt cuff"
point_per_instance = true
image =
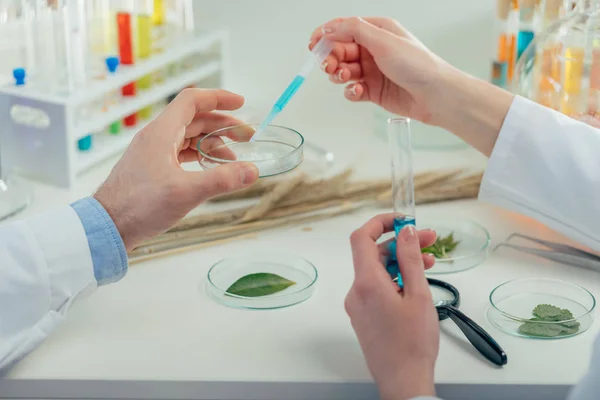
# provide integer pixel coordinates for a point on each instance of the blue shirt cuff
(109, 256)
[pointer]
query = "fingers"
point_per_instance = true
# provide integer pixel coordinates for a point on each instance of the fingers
(207, 122)
(387, 24)
(342, 52)
(409, 257)
(427, 237)
(346, 72)
(365, 253)
(221, 180)
(367, 32)
(358, 91)
(189, 102)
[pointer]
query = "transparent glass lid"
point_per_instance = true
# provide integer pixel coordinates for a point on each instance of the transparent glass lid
(541, 308)
(263, 280)
(277, 149)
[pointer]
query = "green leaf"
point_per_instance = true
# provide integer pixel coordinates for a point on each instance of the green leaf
(442, 247)
(257, 285)
(544, 313)
(551, 313)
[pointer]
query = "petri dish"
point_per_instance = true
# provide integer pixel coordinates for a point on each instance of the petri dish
(227, 271)
(512, 304)
(277, 149)
(471, 251)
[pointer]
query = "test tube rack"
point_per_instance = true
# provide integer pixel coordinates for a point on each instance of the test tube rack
(40, 130)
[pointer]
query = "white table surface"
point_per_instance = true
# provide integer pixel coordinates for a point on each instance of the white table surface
(157, 335)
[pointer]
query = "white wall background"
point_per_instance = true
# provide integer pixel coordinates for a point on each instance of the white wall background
(269, 38)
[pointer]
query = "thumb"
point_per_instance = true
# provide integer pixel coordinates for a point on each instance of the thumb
(224, 179)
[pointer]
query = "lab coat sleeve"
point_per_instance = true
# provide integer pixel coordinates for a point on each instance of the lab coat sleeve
(547, 166)
(46, 263)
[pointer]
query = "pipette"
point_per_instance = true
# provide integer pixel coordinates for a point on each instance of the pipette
(318, 54)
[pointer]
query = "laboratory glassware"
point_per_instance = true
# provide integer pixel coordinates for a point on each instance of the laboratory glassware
(446, 299)
(318, 55)
(473, 242)
(143, 32)
(512, 304)
(278, 150)
(113, 98)
(15, 193)
(125, 34)
(227, 271)
(507, 26)
(561, 67)
(403, 191)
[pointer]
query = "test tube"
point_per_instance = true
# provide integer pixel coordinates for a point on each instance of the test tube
(500, 64)
(403, 192)
(144, 47)
(526, 26)
(159, 35)
(549, 57)
(124, 29)
(112, 99)
(101, 37)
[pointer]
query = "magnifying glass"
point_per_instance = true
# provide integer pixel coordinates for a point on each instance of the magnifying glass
(446, 299)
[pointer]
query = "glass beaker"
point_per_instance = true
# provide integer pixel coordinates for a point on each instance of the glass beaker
(403, 190)
(561, 67)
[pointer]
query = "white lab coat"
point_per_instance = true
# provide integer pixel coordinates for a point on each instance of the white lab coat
(544, 165)
(45, 265)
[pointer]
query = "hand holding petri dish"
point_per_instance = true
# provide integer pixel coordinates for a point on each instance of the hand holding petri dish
(277, 150)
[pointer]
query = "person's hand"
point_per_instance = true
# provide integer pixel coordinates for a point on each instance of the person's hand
(148, 191)
(384, 62)
(388, 66)
(398, 330)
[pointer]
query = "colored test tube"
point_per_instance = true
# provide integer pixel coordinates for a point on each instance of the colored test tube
(573, 74)
(124, 31)
(508, 22)
(144, 49)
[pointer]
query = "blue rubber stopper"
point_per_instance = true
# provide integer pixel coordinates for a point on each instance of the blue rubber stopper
(19, 75)
(85, 143)
(112, 63)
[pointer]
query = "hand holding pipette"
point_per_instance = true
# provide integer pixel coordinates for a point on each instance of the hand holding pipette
(318, 55)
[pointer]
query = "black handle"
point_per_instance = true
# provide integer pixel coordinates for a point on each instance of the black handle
(478, 337)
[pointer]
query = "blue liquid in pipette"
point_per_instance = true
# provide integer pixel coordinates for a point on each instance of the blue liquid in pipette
(392, 266)
(523, 41)
(280, 104)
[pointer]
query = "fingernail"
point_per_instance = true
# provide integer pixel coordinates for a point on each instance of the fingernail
(352, 90)
(324, 65)
(248, 174)
(339, 74)
(408, 232)
(326, 30)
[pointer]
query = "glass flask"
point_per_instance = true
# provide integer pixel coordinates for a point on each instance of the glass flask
(560, 69)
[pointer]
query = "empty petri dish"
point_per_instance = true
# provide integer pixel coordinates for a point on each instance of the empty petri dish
(292, 269)
(471, 250)
(539, 308)
(277, 150)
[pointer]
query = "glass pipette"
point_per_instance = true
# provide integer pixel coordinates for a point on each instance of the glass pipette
(318, 55)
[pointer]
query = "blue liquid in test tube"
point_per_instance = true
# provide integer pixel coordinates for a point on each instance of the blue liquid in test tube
(403, 193)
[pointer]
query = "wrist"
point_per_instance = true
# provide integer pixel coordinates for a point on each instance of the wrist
(404, 385)
(118, 218)
(472, 109)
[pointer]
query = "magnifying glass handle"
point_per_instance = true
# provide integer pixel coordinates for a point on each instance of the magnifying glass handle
(478, 337)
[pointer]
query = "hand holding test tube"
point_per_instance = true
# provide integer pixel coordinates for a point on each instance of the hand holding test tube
(318, 55)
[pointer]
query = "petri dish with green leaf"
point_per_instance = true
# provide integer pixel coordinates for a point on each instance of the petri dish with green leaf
(540, 308)
(462, 244)
(262, 280)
